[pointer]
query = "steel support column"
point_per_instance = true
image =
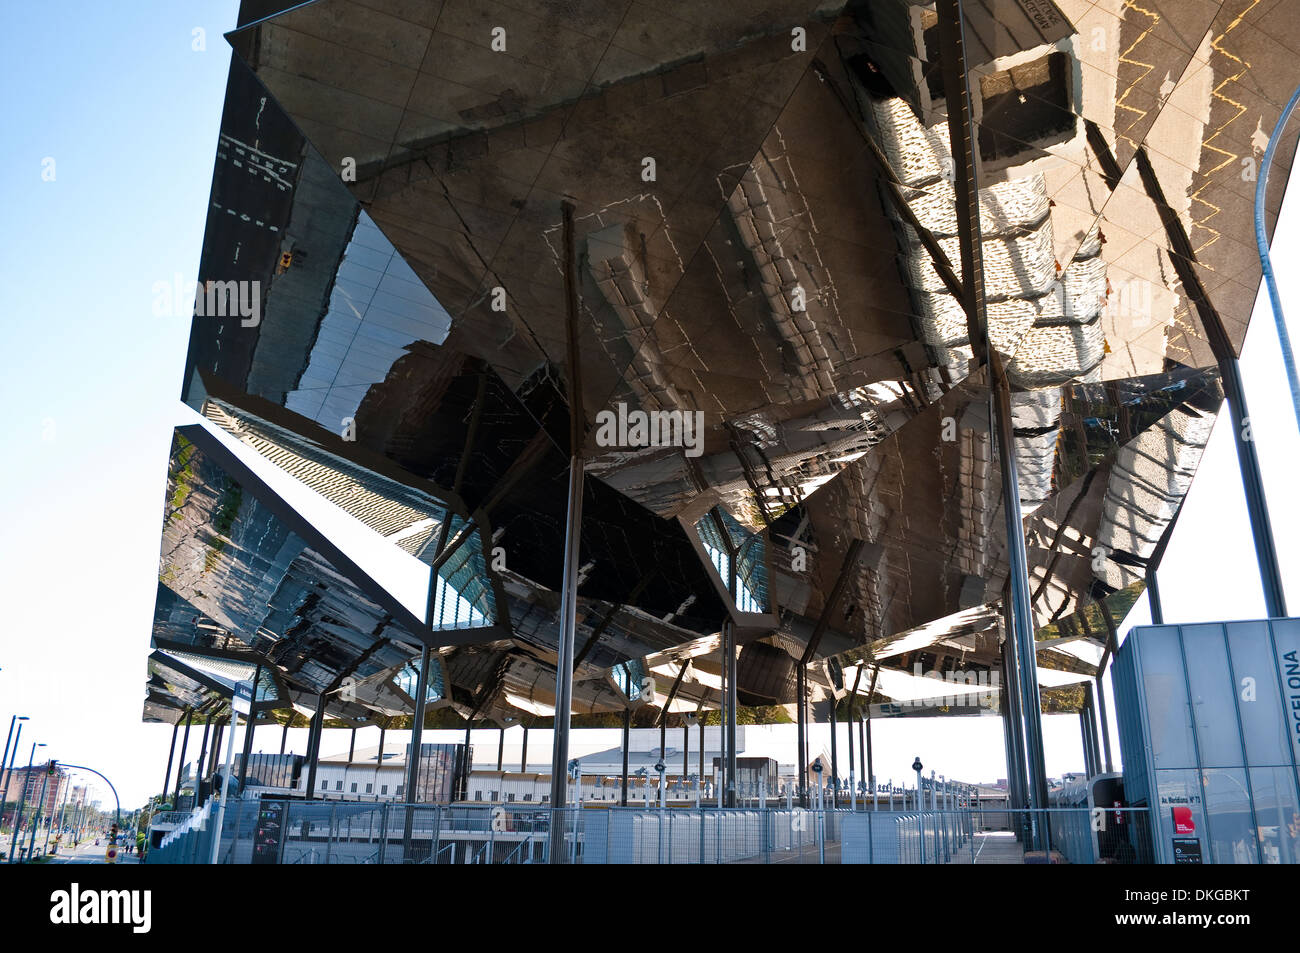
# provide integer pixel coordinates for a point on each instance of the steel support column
(1018, 606)
(1014, 725)
(868, 761)
(730, 627)
(250, 723)
(417, 732)
(952, 44)
(1252, 480)
(171, 756)
(701, 753)
(1153, 597)
(200, 768)
(217, 735)
(853, 702)
(627, 733)
(572, 547)
(313, 743)
(835, 762)
(800, 679)
(185, 742)
(1105, 722)
(686, 751)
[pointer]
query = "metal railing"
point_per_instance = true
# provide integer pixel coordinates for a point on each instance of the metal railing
(308, 832)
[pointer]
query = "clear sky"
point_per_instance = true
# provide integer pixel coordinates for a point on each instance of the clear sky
(129, 111)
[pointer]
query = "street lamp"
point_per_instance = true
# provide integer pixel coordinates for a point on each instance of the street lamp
(22, 802)
(8, 769)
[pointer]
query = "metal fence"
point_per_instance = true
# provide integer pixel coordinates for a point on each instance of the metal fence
(333, 832)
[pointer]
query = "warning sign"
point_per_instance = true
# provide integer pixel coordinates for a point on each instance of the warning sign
(110, 855)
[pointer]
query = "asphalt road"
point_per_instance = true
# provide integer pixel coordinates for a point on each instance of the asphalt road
(88, 853)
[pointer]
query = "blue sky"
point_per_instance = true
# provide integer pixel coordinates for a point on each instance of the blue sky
(129, 111)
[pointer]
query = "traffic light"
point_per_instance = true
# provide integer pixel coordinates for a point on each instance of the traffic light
(52, 768)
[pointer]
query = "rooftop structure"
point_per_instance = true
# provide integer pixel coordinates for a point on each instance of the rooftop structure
(733, 249)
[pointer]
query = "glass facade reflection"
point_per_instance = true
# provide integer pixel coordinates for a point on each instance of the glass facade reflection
(1207, 717)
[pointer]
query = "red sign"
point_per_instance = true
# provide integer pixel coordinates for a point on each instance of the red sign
(1183, 823)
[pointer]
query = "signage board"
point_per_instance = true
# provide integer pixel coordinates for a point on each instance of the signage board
(269, 834)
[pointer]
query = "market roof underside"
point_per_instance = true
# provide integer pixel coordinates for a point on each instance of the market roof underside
(761, 191)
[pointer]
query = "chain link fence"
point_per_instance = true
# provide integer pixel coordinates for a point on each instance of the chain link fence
(336, 832)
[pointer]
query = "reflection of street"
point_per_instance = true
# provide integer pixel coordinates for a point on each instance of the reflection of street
(89, 853)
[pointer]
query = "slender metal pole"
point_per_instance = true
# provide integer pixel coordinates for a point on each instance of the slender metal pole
(1266, 265)
(213, 761)
(523, 758)
(835, 764)
(572, 545)
(185, 743)
(171, 755)
(313, 743)
(1252, 479)
(627, 731)
(37, 813)
(1105, 722)
(720, 772)
(800, 675)
(284, 733)
(1014, 724)
(1253, 484)
(200, 768)
(686, 752)
(731, 713)
(225, 789)
(1153, 597)
(1020, 608)
(701, 784)
(862, 752)
(13, 720)
(22, 800)
(416, 747)
(871, 767)
(250, 725)
(8, 769)
(867, 758)
(417, 729)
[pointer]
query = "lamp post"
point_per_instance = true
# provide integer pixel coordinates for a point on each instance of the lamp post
(8, 740)
(8, 769)
(40, 809)
(22, 801)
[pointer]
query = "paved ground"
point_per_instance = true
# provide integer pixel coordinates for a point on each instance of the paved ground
(995, 847)
(88, 853)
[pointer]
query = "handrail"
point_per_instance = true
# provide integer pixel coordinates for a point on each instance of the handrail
(433, 857)
(518, 847)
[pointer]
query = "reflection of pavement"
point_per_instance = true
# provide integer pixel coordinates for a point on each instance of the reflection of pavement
(88, 853)
(996, 847)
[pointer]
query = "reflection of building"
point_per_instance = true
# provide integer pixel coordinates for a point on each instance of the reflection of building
(27, 783)
(366, 777)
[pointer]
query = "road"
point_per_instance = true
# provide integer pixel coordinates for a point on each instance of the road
(88, 853)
